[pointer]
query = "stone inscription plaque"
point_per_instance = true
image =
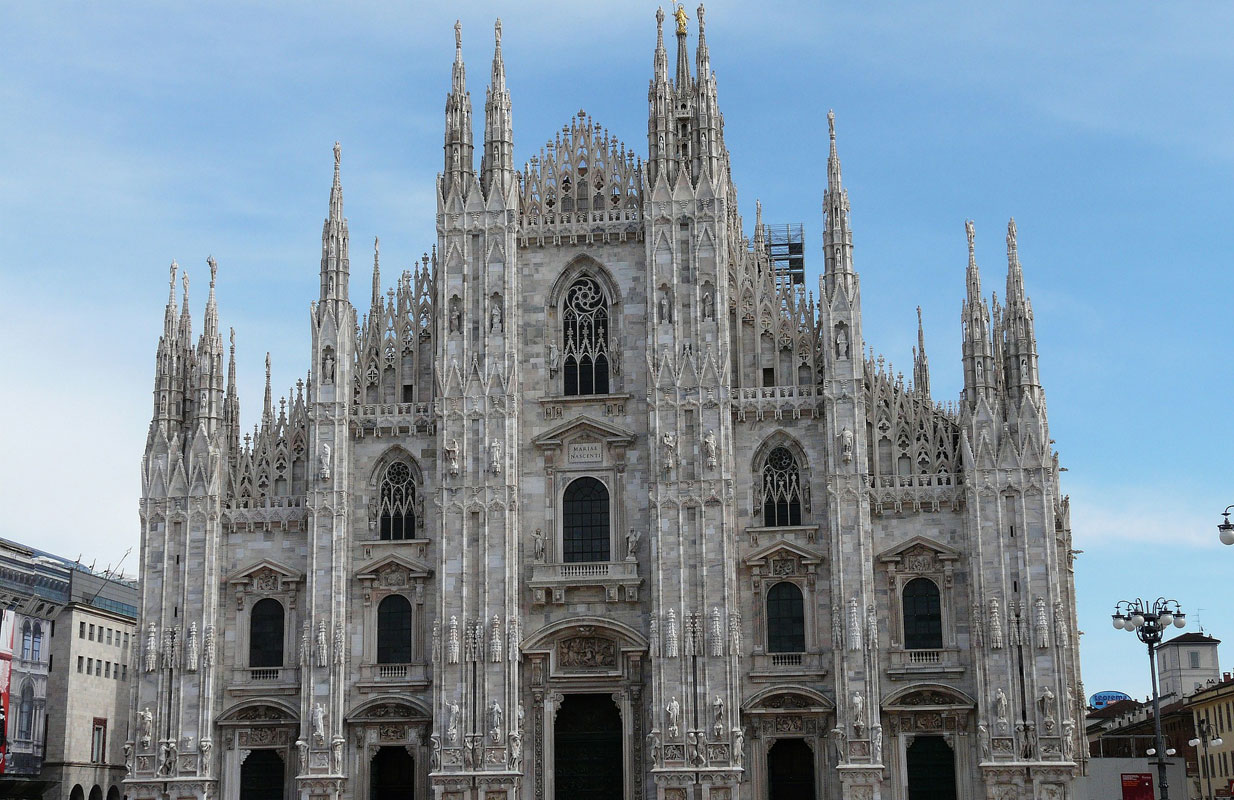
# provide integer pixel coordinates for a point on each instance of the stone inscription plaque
(585, 453)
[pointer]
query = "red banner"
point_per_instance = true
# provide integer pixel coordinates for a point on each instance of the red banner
(7, 621)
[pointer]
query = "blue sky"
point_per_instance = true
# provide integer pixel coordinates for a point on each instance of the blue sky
(139, 132)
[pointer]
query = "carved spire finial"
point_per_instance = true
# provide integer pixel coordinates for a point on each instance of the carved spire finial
(458, 37)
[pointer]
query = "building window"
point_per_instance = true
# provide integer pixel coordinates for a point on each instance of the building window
(81, 630)
(1194, 657)
(786, 619)
(585, 332)
(107, 670)
(25, 713)
(781, 489)
(89, 666)
(398, 503)
(125, 670)
(266, 634)
(394, 630)
(92, 633)
(98, 741)
(923, 616)
(36, 647)
(81, 663)
(585, 534)
(109, 635)
(27, 638)
(126, 640)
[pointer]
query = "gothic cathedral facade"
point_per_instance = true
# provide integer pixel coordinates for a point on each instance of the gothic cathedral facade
(594, 504)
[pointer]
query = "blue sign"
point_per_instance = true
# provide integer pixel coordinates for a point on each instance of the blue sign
(1103, 699)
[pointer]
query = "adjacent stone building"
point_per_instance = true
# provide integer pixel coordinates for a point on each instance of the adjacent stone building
(593, 503)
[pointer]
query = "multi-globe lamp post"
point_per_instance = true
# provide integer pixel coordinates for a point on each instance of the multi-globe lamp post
(1207, 737)
(1149, 621)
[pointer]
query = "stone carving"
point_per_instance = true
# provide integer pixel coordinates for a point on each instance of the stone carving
(494, 721)
(1045, 704)
(554, 358)
(854, 624)
(841, 342)
(837, 627)
(653, 748)
(323, 461)
(128, 758)
(456, 315)
(512, 633)
(302, 747)
(840, 742)
(537, 543)
(653, 637)
(167, 759)
(1028, 740)
(734, 633)
(452, 641)
(876, 741)
(669, 449)
(689, 630)
(670, 635)
(327, 367)
(717, 634)
(1041, 623)
(978, 630)
(494, 315)
(208, 649)
(586, 652)
(739, 747)
(452, 712)
(859, 709)
(323, 645)
(306, 651)
(996, 625)
(190, 650)
(1015, 631)
(1000, 709)
(674, 718)
(494, 456)
(1068, 740)
(145, 727)
(336, 755)
(632, 544)
(434, 752)
(435, 638)
(871, 627)
(1060, 625)
(451, 450)
(710, 449)
(717, 717)
(846, 446)
(983, 741)
(340, 652)
(495, 640)
(516, 750)
(169, 648)
(319, 725)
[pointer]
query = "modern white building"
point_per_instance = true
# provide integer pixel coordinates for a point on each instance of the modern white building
(596, 502)
(1186, 664)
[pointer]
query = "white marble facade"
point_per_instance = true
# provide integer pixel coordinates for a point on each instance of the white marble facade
(596, 325)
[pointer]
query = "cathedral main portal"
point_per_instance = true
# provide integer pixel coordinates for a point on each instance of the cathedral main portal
(588, 762)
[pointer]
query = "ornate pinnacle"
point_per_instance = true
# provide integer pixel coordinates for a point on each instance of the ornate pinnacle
(971, 231)
(831, 123)
(497, 32)
(700, 19)
(185, 280)
(214, 269)
(458, 36)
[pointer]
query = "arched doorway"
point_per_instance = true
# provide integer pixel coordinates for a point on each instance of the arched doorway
(261, 776)
(392, 775)
(78, 793)
(587, 744)
(931, 769)
(96, 793)
(113, 793)
(790, 770)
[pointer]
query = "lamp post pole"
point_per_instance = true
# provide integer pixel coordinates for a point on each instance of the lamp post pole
(1149, 621)
(1204, 739)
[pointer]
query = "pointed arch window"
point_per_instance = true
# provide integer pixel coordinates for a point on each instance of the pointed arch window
(394, 630)
(923, 617)
(397, 504)
(25, 713)
(266, 634)
(786, 619)
(27, 634)
(585, 330)
(36, 647)
(781, 489)
(585, 533)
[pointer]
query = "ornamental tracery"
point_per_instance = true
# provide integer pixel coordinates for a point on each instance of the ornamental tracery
(585, 332)
(396, 503)
(779, 494)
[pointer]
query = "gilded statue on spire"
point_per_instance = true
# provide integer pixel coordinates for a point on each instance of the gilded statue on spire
(681, 16)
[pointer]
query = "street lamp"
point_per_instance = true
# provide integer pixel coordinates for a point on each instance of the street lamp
(1149, 622)
(1225, 528)
(1206, 738)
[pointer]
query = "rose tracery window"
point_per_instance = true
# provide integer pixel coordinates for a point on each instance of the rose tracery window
(585, 331)
(397, 504)
(781, 489)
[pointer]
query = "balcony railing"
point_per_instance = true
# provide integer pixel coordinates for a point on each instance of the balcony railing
(925, 660)
(392, 671)
(770, 664)
(786, 659)
(619, 579)
(585, 569)
(924, 656)
(264, 674)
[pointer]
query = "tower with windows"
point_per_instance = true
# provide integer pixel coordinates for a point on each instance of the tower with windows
(589, 504)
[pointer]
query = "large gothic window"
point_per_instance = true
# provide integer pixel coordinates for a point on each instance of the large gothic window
(923, 618)
(25, 713)
(781, 489)
(585, 356)
(786, 619)
(394, 630)
(397, 503)
(266, 634)
(585, 533)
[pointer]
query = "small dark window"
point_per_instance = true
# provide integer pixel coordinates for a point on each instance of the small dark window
(585, 533)
(769, 376)
(786, 619)
(408, 393)
(394, 630)
(923, 618)
(266, 634)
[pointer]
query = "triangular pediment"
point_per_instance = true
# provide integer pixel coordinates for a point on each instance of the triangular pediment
(580, 429)
(919, 545)
(265, 571)
(783, 550)
(393, 568)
